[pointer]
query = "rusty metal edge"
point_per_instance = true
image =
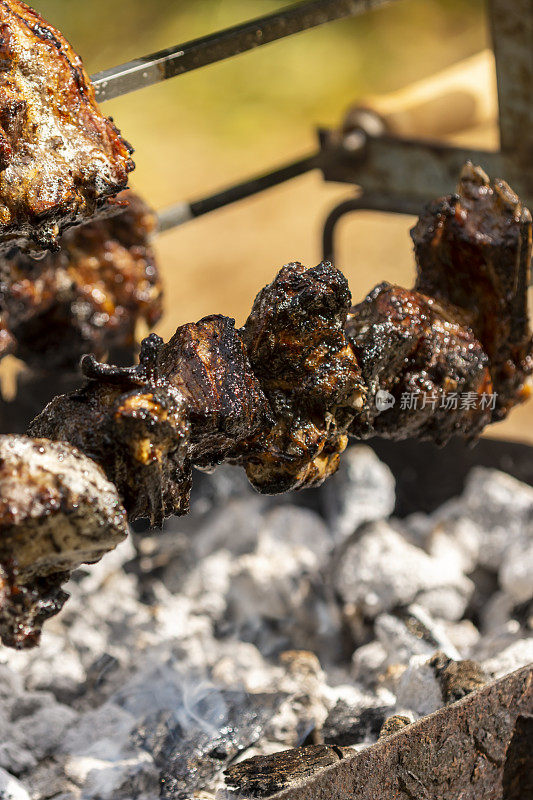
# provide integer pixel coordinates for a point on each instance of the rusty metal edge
(457, 753)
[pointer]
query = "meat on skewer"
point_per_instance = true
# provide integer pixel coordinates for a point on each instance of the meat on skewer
(86, 298)
(281, 395)
(60, 158)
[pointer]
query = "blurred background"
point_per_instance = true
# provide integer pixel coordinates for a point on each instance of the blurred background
(204, 130)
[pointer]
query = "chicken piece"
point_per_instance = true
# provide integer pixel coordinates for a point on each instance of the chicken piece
(418, 363)
(60, 158)
(473, 250)
(57, 511)
(87, 298)
(300, 354)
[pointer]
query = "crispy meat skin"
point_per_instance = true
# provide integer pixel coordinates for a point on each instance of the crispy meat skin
(214, 393)
(60, 158)
(57, 511)
(86, 298)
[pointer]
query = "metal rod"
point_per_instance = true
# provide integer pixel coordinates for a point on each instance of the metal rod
(160, 66)
(366, 202)
(184, 212)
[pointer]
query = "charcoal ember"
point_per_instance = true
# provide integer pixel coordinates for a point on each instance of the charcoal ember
(346, 725)
(262, 776)
(516, 654)
(88, 297)
(362, 489)
(516, 571)
(61, 159)
(457, 678)
(98, 754)
(410, 632)
(278, 584)
(497, 508)
(11, 788)
(368, 662)
(419, 690)
(33, 725)
(377, 569)
(394, 724)
(410, 346)
(57, 510)
(473, 250)
(302, 359)
(220, 725)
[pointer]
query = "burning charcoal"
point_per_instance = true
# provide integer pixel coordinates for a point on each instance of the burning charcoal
(394, 724)
(419, 689)
(368, 661)
(361, 490)
(499, 507)
(279, 585)
(262, 776)
(347, 726)
(411, 632)
(516, 572)
(191, 754)
(512, 657)
(57, 510)
(10, 788)
(378, 570)
(457, 678)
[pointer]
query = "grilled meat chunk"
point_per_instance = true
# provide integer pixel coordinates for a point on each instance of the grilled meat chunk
(57, 511)
(208, 364)
(209, 395)
(473, 250)
(415, 350)
(60, 158)
(135, 425)
(307, 369)
(87, 298)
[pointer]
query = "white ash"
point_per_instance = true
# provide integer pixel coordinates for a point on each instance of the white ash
(363, 489)
(283, 620)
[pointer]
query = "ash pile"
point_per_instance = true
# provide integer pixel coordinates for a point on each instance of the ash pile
(316, 621)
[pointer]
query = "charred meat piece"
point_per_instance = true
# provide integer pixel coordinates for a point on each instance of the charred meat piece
(87, 298)
(60, 158)
(307, 369)
(473, 250)
(57, 511)
(135, 425)
(209, 395)
(208, 364)
(418, 363)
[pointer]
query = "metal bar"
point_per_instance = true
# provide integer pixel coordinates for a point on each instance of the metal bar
(512, 33)
(150, 69)
(473, 749)
(366, 202)
(184, 212)
(403, 168)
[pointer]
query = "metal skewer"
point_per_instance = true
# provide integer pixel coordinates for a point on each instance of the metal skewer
(160, 66)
